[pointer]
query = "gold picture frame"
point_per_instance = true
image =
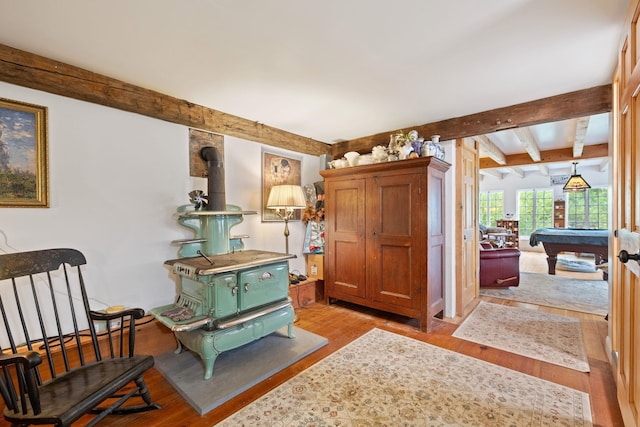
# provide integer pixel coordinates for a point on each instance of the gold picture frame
(24, 174)
(277, 170)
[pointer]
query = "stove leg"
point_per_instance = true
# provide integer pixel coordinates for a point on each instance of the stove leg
(290, 333)
(179, 348)
(208, 366)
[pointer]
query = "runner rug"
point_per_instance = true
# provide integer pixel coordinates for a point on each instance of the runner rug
(543, 336)
(586, 296)
(387, 379)
(236, 370)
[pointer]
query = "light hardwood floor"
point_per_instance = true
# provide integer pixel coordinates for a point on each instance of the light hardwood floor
(341, 323)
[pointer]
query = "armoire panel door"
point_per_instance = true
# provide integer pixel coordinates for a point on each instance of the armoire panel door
(396, 239)
(345, 228)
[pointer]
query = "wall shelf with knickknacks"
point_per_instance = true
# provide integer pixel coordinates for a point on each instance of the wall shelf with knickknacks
(558, 214)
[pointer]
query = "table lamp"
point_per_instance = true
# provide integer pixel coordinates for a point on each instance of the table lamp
(285, 199)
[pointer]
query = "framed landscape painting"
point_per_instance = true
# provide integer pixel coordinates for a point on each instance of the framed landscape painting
(23, 155)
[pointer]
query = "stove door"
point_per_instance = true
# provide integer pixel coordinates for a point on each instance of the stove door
(263, 285)
(224, 296)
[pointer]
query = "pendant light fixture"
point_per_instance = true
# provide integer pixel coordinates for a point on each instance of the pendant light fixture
(576, 182)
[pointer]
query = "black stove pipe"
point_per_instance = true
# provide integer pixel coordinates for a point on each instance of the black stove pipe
(215, 181)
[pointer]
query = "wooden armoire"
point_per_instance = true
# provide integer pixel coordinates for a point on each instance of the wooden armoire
(385, 236)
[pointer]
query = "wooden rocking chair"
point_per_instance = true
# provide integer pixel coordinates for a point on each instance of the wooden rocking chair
(46, 317)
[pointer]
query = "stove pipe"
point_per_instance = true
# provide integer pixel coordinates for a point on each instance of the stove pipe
(215, 181)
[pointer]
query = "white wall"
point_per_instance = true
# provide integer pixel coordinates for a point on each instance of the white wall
(115, 181)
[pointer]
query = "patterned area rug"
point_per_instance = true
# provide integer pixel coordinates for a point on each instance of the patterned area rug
(527, 332)
(586, 296)
(386, 379)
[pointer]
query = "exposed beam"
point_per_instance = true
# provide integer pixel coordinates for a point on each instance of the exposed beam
(560, 107)
(604, 165)
(491, 172)
(517, 171)
(491, 149)
(528, 142)
(37, 72)
(578, 140)
(544, 169)
(551, 156)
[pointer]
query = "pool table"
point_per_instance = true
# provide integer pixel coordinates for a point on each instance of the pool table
(556, 240)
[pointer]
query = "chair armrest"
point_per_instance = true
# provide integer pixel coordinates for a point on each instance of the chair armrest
(29, 359)
(28, 383)
(126, 326)
(135, 313)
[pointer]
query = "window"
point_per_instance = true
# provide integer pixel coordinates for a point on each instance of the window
(535, 210)
(491, 208)
(588, 209)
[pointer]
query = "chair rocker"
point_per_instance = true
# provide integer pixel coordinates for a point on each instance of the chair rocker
(46, 318)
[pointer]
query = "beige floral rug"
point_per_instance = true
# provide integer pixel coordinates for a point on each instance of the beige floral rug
(585, 296)
(527, 332)
(385, 379)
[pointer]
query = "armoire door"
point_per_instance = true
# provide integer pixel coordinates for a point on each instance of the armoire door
(396, 236)
(345, 232)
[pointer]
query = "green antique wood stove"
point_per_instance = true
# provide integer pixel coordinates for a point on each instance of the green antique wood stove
(228, 296)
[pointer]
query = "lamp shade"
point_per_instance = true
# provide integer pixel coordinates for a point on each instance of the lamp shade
(286, 196)
(576, 182)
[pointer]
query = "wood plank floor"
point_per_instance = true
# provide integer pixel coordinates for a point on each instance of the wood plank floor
(341, 323)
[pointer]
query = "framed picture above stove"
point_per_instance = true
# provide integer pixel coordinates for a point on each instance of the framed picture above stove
(278, 170)
(24, 175)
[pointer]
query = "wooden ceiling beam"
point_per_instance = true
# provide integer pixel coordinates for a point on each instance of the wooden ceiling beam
(571, 105)
(491, 172)
(544, 169)
(37, 72)
(604, 165)
(528, 142)
(582, 124)
(491, 149)
(550, 156)
(518, 171)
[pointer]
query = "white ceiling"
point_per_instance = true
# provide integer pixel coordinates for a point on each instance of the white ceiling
(333, 69)
(554, 136)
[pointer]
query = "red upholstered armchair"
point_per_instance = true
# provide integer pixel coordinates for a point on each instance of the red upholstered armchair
(499, 267)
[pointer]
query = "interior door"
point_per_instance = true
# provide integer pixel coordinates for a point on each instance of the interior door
(467, 252)
(624, 329)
